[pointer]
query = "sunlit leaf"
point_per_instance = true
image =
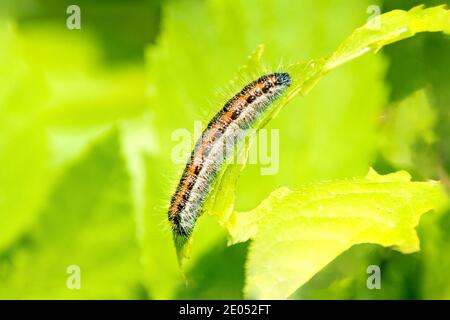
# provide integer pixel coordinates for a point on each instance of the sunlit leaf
(297, 233)
(192, 92)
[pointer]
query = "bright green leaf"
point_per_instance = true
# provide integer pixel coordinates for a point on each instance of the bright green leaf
(50, 110)
(87, 222)
(296, 233)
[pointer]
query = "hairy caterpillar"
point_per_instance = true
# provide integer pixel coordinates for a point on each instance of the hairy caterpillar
(239, 114)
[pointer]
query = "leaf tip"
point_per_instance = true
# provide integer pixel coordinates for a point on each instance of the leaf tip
(398, 176)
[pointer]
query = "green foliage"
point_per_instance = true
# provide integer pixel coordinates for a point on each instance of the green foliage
(407, 124)
(64, 104)
(73, 227)
(296, 233)
(85, 149)
(275, 276)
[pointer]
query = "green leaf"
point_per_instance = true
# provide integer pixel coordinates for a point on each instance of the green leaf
(289, 31)
(340, 128)
(405, 125)
(296, 233)
(87, 222)
(435, 241)
(393, 26)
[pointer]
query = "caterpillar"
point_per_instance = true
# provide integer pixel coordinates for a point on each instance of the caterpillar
(239, 114)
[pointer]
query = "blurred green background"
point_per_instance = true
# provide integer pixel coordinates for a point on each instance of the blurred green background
(86, 118)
